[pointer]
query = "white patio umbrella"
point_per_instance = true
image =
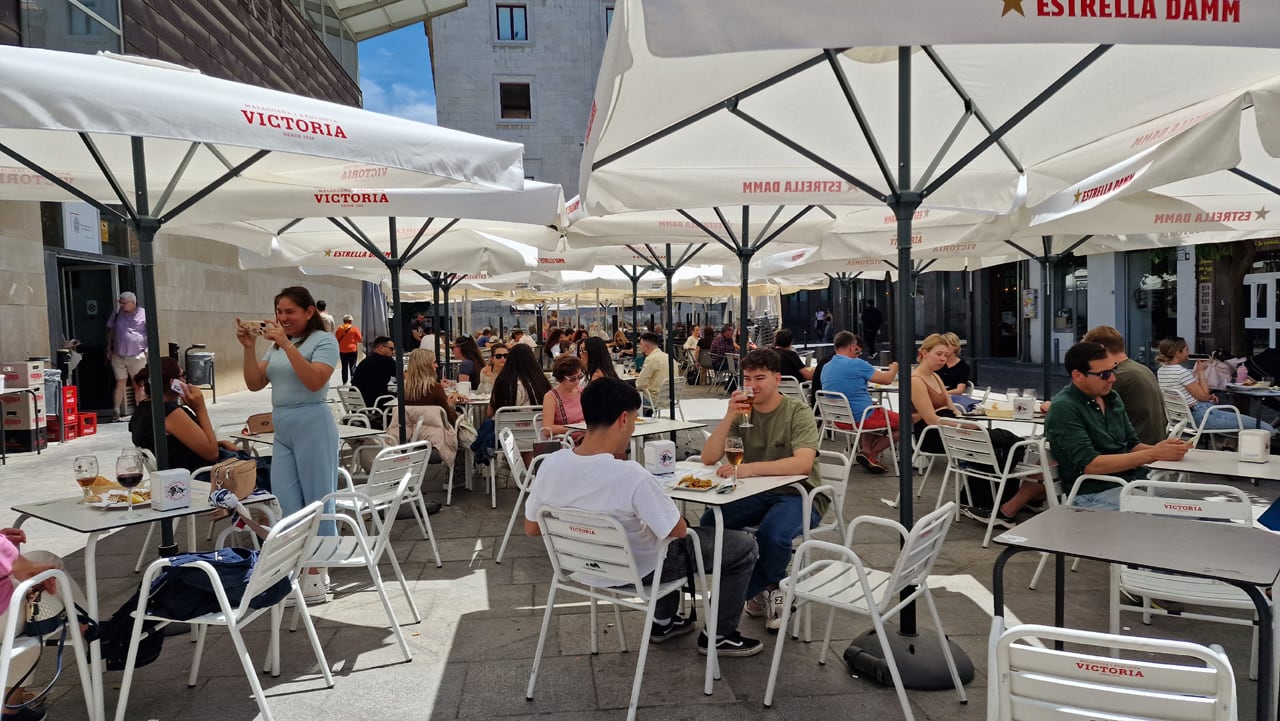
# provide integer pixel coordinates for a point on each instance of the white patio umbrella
(163, 141)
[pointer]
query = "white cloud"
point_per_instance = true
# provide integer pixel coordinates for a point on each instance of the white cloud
(399, 99)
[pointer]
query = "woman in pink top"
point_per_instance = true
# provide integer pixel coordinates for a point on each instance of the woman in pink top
(14, 569)
(562, 404)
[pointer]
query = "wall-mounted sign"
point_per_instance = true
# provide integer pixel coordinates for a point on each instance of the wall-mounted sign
(1030, 303)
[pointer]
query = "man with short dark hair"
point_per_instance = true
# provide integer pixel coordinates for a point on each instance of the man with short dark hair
(782, 440)
(654, 374)
(1090, 432)
(519, 336)
(376, 370)
(792, 365)
(325, 317)
(723, 345)
(1136, 384)
(849, 374)
(872, 319)
(594, 476)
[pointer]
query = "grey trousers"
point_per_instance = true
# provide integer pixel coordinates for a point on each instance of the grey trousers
(740, 554)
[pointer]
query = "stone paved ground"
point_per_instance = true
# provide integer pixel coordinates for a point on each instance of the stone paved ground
(474, 648)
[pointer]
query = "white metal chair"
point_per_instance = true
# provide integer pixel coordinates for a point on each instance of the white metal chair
(971, 455)
(1178, 411)
(925, 461)
(525, 423)
(15, 647)
(789, 386)
(662, 401)
(281, 558)
(844, 583)
(591, 556)
(806, 387)
(838, 419)
(833, 474)
(1226, 504)
(524, 481)
(353, 405)
(1032, 680)
(395, 470)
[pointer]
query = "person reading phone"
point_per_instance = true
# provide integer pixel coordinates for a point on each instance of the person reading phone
(781, 440)
(189, 434)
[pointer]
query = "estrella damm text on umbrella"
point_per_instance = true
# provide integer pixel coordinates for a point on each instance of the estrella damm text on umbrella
(1222, 11)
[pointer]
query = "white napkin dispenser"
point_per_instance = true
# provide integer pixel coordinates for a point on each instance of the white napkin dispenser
(1254, 446)
(660, 457)
(1024, 408)
(170, 489)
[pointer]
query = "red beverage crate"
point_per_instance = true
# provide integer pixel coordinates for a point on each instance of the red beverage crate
(55, 431)
(27, 440)
(88, 424)
(70, 399)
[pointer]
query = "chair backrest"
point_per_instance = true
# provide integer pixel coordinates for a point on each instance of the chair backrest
(1223, 503)
(284, 550)
(834, 408)
(806, 387)
(705, 358)
(525, 423)
(1178, 411)
(149, 463)
(833, 470)
(397, 473)
(790, 387)
(918, 443)
(511, 448)
(968, 444)
(919, 552)
(352, 401)
(1037, 682)
(662, 399)
(587, 547)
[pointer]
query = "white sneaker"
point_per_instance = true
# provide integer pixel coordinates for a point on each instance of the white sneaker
(776, 599)
(757, 605)
(314, 592)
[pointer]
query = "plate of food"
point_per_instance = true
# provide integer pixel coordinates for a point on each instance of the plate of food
(117, 499)
(700, 480)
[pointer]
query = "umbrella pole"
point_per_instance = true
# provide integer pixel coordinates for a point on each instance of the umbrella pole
(918, 654)
(146, 228)
(435, 311)
(635, 312)
(670, 271)
(1048, 264)
(448, 334)
(394, 265)
(744, 259)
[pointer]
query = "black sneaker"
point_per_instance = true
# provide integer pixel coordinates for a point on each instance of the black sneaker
(679, 626)
(732, 645)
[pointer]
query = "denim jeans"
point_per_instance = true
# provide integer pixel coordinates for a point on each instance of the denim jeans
(776, 517)
(1224, 420)
(1108, 500)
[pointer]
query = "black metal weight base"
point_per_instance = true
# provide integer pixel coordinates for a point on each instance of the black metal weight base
(919, 658)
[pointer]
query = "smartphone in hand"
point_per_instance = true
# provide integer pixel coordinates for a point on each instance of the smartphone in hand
(177, 387)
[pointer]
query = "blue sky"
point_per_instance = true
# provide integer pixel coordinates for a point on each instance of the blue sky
(395, 75)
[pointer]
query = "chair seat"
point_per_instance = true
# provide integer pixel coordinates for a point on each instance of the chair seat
(629, 589)
(335, 551)
(836, 582)
(214, 618)
(1185, 589)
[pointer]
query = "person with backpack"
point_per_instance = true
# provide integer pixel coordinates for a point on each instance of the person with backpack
(348, 336)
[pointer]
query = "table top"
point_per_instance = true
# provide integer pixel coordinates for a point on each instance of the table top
(651, 426)
(476, 399)
(1252, 391)
(345, 433)
(1221, 463)
(70, 513)
(747, 487)
(1219, 551)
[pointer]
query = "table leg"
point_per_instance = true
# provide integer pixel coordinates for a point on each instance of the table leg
(997, 578)
(713, 604)
(91, 598)
(1059, 594)
(1266, 652)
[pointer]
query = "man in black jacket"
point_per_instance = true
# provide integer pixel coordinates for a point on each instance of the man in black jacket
(376, 370)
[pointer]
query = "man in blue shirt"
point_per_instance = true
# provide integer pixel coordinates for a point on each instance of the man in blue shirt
(848, 374)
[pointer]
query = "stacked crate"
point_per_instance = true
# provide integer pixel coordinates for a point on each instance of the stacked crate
(23, 412)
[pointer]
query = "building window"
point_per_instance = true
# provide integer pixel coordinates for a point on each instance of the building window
(513, 23)
(515, 101)
(608, 19)
(81, 26)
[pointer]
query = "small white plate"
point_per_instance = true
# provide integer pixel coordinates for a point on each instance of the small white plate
(115, 502)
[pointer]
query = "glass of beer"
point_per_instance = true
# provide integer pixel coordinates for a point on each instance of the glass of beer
(129, 475)
(86, 470)
(748, 397)
(733, 451)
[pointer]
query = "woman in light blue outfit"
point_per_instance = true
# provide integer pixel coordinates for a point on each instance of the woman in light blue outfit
(1195, 388)
(302, 356)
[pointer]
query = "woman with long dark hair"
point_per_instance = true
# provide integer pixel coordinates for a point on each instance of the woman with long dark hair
(468, 352)
(521, 382)
(498, 353)
(189, 434)
(553, 346)
(298, 365)
(595, 355)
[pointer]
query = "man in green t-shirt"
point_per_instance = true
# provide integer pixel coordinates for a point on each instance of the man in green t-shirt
(782, 440)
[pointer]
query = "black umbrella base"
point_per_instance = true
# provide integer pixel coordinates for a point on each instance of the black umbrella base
(921, 664)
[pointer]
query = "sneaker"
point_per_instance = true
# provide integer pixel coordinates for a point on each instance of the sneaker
(758, 605)
(314, 592)
(732, 645)
(982, 514)
(679, 626)
(776, 599)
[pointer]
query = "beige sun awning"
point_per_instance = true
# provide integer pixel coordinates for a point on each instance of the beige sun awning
(369, 18)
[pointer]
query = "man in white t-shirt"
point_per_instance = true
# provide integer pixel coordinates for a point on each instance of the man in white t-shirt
(594, 477)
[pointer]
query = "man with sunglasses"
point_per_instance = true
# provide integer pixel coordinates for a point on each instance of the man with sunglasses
(1090, 432)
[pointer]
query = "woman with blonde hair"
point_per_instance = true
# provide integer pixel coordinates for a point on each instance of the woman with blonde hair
(1194, 388)
(422, 386)
(955, 374)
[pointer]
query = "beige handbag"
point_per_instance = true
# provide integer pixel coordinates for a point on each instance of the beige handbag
(260, 423)
(239, 477)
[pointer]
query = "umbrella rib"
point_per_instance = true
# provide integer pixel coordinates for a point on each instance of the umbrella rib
(284, 228)
(415, 249)
(221, 181)
(768, 224)
(1076, 244)
(972, 106)
(946, 146)
(999, 133)
(52, 178)
(1024, 251)
(728, 229)
(687, 255)
(833, 59)
(1254, 179)
(810, 155)
(705, 112)
(107, 174)
(708, 231)
(177, 174)
(357, 235)
(418, 236)
(784, 227)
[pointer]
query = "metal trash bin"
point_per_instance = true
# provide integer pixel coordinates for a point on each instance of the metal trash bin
(53, 392)
(200, 369)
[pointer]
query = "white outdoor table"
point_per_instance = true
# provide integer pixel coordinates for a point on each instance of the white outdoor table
(1221, 463)
(747, 487)
(1255, 396)
(648, 427)
(69, 513)
(345, 433)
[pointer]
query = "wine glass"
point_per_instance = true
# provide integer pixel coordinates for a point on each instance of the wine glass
(748, 397)
(86, 471)
(129, 475)
(733, 451)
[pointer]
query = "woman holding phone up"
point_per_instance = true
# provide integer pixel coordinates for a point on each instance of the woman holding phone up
(298, 364)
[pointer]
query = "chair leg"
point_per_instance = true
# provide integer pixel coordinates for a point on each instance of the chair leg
(131, 658)
(777, 647)
(595, 637)
(506, 537)
(404, 585)
(376, 577)
(200, 632)
(995, 509)
(644, 652)
(273, 646)
(542, 642)
(311, 634)
(250, 671)
(946, 647)
(1114, 604)
(424, 520)
(1035, 577)
(617, 623)
(892, 663)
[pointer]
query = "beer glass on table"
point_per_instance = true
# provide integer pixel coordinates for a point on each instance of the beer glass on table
(733, 451)
(129, 475)
(86, 470)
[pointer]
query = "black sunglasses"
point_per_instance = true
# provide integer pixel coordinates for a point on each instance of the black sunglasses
(501, 355)
(1103, 375)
